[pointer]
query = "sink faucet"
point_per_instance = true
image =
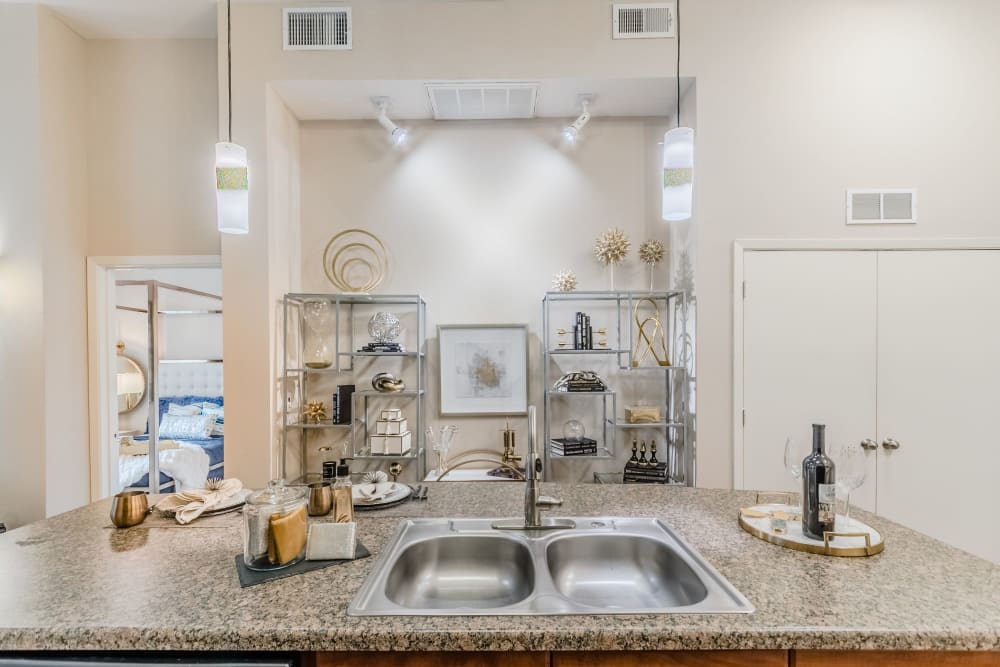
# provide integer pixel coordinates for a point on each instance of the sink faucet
(534, 503)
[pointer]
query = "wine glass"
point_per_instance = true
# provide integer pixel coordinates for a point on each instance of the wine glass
(795, 453)
(851, 470)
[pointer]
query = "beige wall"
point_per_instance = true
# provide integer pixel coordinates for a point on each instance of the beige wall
(392, 40)
(478, 218)
(22, 351)
(63, 82)
(152, 110)
(793, 108)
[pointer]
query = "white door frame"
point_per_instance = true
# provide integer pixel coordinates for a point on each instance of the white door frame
(740, 246)
(100, 298)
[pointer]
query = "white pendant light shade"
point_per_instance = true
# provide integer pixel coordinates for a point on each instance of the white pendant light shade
(678, 174)
(232, 188)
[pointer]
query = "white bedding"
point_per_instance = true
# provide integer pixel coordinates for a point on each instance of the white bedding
(187, 464)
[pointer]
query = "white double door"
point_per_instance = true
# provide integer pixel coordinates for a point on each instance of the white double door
(897, 348)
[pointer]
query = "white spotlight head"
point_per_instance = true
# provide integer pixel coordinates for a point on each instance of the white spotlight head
(397, 135)
(571, 133)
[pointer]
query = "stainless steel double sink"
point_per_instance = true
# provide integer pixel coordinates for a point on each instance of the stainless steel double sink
(606, 565)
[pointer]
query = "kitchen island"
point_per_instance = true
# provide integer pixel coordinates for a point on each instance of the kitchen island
(75, 583)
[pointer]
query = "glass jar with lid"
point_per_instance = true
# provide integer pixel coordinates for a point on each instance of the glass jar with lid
(274, 527)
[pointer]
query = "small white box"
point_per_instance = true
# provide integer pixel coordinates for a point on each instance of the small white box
(392, 413)
(391, 426)
(397, 444)
(377, 444)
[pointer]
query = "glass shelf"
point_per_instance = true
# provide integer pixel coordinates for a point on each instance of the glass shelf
(412, 454)
(553, 392)
(381, 354)
(597, 351)
(390, 394)
(625, 424)
(602, 453)
(323, 424)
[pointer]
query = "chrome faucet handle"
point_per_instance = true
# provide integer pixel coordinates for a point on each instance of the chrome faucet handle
(548, 501)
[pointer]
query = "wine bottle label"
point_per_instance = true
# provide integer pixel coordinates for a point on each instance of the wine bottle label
(826, 502)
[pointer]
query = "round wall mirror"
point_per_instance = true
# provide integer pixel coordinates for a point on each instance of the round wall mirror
(131, 384)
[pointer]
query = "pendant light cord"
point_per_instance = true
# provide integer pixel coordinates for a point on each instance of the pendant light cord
(677, 29)
(229, 65)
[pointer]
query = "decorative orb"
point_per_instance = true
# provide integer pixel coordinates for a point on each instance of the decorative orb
(384, 327)
(574, 430)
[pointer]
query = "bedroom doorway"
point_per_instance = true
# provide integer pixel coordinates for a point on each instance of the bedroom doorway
(156, 367)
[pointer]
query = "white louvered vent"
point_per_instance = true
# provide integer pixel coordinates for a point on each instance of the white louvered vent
(878, 207)
(317, 29)
(643, 20)
(482, 101)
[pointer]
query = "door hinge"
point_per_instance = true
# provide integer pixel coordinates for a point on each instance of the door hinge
(744, 289)
(744, 417)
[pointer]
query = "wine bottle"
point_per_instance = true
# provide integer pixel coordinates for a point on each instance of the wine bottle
(819, 491)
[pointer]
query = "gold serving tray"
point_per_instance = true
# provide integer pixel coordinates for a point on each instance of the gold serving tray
(855, 539)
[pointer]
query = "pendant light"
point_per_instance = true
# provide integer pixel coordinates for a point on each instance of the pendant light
(678, 155)
(232, 180)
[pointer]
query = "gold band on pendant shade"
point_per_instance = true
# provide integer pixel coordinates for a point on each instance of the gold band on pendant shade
(675, 176)
(352, 247)
(231, 178)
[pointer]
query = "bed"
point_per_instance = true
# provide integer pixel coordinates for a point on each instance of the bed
(186, 385)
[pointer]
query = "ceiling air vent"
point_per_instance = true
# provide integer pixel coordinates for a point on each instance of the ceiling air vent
(482, 101)
(879, 207)
(643, 20)
(317, 28)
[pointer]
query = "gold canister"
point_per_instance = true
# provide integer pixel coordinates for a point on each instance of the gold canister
(129, 508)
(320, 499)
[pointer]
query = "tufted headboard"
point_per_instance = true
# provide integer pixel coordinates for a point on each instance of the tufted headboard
(197, 379)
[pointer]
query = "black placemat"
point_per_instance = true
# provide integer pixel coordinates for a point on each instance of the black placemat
(250, 577)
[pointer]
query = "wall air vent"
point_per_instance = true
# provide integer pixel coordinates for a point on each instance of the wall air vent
(881, 207)
(482, 101)
(642, 20)
(317, 29)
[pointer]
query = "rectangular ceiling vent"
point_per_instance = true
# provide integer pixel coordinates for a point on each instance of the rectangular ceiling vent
(643, 20)
(881, 206)
(317, 29)
(482, 101)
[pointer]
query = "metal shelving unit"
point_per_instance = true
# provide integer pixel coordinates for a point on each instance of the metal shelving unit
(621, 335)
(300, 384)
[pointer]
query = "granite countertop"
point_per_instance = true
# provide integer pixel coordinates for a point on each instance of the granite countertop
(74, 582)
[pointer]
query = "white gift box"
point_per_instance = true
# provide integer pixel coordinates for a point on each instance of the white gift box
(377, 444)
(397, 444)
(392, 414)
(391, 426)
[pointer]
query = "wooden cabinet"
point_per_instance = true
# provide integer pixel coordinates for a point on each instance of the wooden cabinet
(671, 659)
(894, 659)
(894, 347)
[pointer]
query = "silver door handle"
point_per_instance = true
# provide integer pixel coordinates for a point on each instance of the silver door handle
(868, 444)
(889, 443)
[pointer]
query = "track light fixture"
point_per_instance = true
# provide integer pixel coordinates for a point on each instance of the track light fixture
(397, 135)
(571, 133)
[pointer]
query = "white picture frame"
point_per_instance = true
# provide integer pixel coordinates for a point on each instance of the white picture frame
(484, 369)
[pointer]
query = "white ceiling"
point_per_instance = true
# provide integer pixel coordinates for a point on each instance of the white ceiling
(557, 98)
(137, 19)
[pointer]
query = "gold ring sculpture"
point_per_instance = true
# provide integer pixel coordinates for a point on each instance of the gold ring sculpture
(347, 250)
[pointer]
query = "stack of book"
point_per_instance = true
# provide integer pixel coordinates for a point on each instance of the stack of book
(583, 333)
(645, 473)
(574, 447)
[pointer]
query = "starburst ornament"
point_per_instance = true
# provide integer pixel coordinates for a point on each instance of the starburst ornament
(611, 247)
(651, 252)
(565, 281)
(315, 412)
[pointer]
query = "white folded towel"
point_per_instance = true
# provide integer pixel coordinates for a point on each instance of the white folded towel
(189, 505)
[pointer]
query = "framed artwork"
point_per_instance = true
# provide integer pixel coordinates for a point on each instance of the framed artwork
(484, 369)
